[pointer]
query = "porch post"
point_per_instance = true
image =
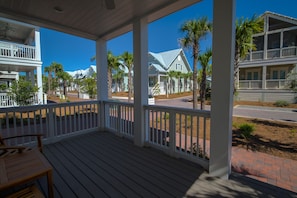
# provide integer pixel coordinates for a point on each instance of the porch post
(38, 69)
(140, 53)
(264, 71)
(39, 85)
(222, 88)
(102, 85)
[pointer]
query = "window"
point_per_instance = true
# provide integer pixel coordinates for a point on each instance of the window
(249, 76)
(274, 74)
(282, 74)
(255, 76)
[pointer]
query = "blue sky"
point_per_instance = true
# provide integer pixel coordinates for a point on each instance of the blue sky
(74, 53)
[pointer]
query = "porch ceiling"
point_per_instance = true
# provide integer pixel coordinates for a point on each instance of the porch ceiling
(89, 18)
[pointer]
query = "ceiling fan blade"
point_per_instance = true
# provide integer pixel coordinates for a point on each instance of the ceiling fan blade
(110, 5)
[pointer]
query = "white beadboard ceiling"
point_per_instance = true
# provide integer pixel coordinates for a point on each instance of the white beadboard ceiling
(88, 18)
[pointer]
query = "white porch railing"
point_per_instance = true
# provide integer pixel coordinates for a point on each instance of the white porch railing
(250, 84)
(270, 84)
(179, 132)
(54, 121)
(276, 83)
(7, 101)
(14, 50)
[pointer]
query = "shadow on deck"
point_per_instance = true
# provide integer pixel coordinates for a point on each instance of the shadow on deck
(105, 165)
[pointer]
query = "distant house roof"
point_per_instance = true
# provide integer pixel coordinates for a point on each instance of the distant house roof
(169, 56)
(163, 60)
(158, 67)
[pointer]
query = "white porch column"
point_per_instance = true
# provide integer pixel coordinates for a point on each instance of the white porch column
(39, 85)
(38, 69)
(37, 45)
(140, 53)
(264, 71)
(102, 85)
(222, 88)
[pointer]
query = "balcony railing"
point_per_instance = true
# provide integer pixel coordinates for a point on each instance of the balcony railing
(179, 132)
(270, 84)
(277, 84)
(250, 84)
(13, 50)
(272, 53)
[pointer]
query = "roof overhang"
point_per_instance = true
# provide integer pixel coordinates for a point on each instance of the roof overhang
(89, 18)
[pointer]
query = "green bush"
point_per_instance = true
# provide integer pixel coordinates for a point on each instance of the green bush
(246, 130)
(281, 103)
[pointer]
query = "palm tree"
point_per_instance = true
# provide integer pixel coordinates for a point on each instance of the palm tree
(65, 78)
(128, 61)
(171, 74)
(49, 78)
(245, 28)
(112, 64)
(178, 76)
(186, 76)
(204, 61)
(194, 31)
(118, 77)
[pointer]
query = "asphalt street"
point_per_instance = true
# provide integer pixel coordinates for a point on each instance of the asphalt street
(281, 114)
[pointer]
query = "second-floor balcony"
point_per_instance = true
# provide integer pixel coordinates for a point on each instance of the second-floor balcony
(17, 51)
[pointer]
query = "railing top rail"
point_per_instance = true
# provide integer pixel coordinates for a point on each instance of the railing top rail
(16, 44)
(117, 102)
(204, 113)
(45, 106)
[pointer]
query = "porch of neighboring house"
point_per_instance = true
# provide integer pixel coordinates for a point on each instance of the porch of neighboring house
(266, 77)
(94, 160)
(19, 52)
(267, 83)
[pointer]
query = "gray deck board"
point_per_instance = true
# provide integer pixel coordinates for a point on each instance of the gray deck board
(104, 165)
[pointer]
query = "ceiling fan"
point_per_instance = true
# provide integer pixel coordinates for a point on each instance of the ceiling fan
(110, 5)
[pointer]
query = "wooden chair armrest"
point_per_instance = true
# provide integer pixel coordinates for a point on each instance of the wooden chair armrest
(39, 141)
(19, 148)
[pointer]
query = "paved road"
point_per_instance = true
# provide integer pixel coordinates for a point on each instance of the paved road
(282, 114)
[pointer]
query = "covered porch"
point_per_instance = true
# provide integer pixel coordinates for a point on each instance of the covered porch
(139, 121)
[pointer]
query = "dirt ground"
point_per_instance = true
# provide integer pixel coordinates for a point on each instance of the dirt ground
(271, 137)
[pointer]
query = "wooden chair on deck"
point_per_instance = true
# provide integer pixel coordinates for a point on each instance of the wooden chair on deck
(6, 150)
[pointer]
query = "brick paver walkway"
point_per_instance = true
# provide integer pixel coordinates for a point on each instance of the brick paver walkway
(274, 170)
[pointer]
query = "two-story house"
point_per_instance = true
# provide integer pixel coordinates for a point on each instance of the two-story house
(19, 53)
(265, 74)
(168, 71)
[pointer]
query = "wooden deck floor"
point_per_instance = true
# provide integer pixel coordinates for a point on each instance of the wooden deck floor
(105, 165)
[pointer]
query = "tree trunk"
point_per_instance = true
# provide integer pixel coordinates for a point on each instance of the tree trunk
(195, 61)
(203, 89)
(109, 79)
(129, 84)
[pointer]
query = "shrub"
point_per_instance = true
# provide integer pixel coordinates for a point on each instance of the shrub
(281, 103)
(166, 116)
(246, 130)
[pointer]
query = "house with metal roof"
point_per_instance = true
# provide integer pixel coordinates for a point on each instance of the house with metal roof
(167, 72)
(267, 71)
